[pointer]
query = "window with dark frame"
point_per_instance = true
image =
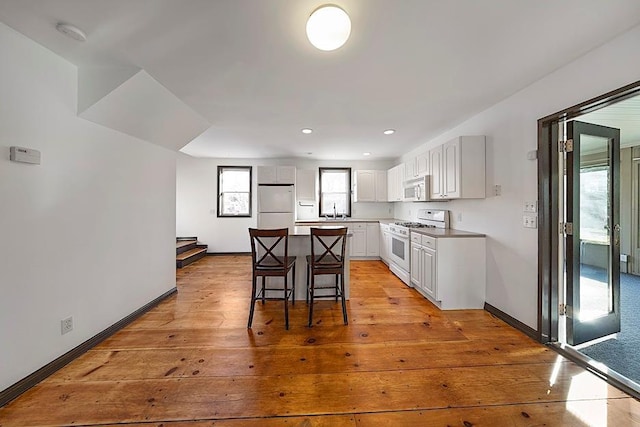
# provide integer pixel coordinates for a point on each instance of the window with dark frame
(335, 191)
(234, 191)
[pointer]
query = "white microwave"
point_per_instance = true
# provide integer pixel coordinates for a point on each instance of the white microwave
(417, 189)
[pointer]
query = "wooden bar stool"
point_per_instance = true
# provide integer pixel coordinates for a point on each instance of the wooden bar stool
(330, 244)
(265, 247)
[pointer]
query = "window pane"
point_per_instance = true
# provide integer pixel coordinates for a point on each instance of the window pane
(235, 204)
(340, 200)
(594, 185)
(335, 190)
(334, 181)
(234, 191)
(235, 180)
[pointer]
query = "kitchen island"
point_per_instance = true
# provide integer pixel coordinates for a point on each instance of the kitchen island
(300, 247)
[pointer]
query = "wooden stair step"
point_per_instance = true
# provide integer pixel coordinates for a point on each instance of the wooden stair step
(183, 243)
(188, 254)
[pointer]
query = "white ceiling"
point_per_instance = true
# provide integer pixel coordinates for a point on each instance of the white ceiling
(247, 69)
(623, 115)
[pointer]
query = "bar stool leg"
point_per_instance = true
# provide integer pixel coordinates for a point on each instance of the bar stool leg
(307, 296)
(253, 301)
(311, 289)
(286, 304)
(344, 303)
(293, 285)
(337, 289)
(263, 292)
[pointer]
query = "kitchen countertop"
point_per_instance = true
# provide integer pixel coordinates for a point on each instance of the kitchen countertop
(349, 219)
(305, 230)
(445, 232)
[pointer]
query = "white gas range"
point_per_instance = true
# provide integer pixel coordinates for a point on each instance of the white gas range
(400, 251)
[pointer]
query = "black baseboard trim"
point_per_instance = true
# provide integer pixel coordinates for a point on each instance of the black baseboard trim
(228, 253)
(512, 321)
(26, 383)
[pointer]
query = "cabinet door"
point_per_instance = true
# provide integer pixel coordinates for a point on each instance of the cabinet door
(267, 175)
(391, 184)
(400, 183)
(373, 239)
(305, 184)
(381, 186)
(422, 164)
(410, 169)
(384, 244)
(416, 265)
(429, 278)
(451, 166)
(365, 186)
(435, 163)
(286, 174)
(358, 239)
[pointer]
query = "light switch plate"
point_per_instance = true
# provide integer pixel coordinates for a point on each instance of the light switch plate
(529, 221)
(531, 206)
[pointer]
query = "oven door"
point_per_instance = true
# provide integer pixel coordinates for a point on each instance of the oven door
(400, 251)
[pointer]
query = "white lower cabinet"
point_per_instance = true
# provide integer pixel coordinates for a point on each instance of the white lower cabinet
(373, 239)
(385, 242)
(450, 272)
(359, 239)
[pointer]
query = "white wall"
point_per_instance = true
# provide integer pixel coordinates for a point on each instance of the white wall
(90, 232)
(511, 130)
(196, 199)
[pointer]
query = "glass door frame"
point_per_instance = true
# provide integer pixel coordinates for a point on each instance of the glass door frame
(549, 235)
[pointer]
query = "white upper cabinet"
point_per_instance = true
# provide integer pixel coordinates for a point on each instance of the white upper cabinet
(370, 186)
(395, 183)
(381, 186)
(365, 186)
(417, 167)
(457, 169)
(422, 164)
(276, 174)
(305, 184)
(410, 169)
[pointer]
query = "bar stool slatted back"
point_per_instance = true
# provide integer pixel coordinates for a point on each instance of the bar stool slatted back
(269, 258)
(327, 257)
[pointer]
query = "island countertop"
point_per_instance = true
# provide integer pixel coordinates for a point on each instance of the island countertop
(305, 230)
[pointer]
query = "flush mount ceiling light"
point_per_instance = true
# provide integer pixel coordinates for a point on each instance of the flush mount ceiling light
(307, 131)
(389, 132)
(366, 154)
(328, 27)
(71, 31)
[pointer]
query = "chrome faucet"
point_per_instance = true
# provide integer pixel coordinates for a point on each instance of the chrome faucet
(335, 213)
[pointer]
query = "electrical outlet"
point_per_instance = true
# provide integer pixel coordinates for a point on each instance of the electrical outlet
(66, 325)
(530, 221)
(459, 217)
(531, 206)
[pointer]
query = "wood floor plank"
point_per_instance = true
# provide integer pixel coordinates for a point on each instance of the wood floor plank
(300, 395)
(334, 358)
(191, 361)
(600, 412)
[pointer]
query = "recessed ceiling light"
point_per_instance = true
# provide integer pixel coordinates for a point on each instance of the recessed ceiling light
(389, 132)
(328, 27)
(71, 31)
(307, 131)
(366, 154)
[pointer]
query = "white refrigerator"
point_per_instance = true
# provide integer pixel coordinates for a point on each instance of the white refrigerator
(276, 206)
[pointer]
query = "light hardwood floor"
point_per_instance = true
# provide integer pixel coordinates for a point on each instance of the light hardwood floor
(399, 362)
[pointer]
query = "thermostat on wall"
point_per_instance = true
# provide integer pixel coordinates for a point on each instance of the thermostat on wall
(24, 155)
